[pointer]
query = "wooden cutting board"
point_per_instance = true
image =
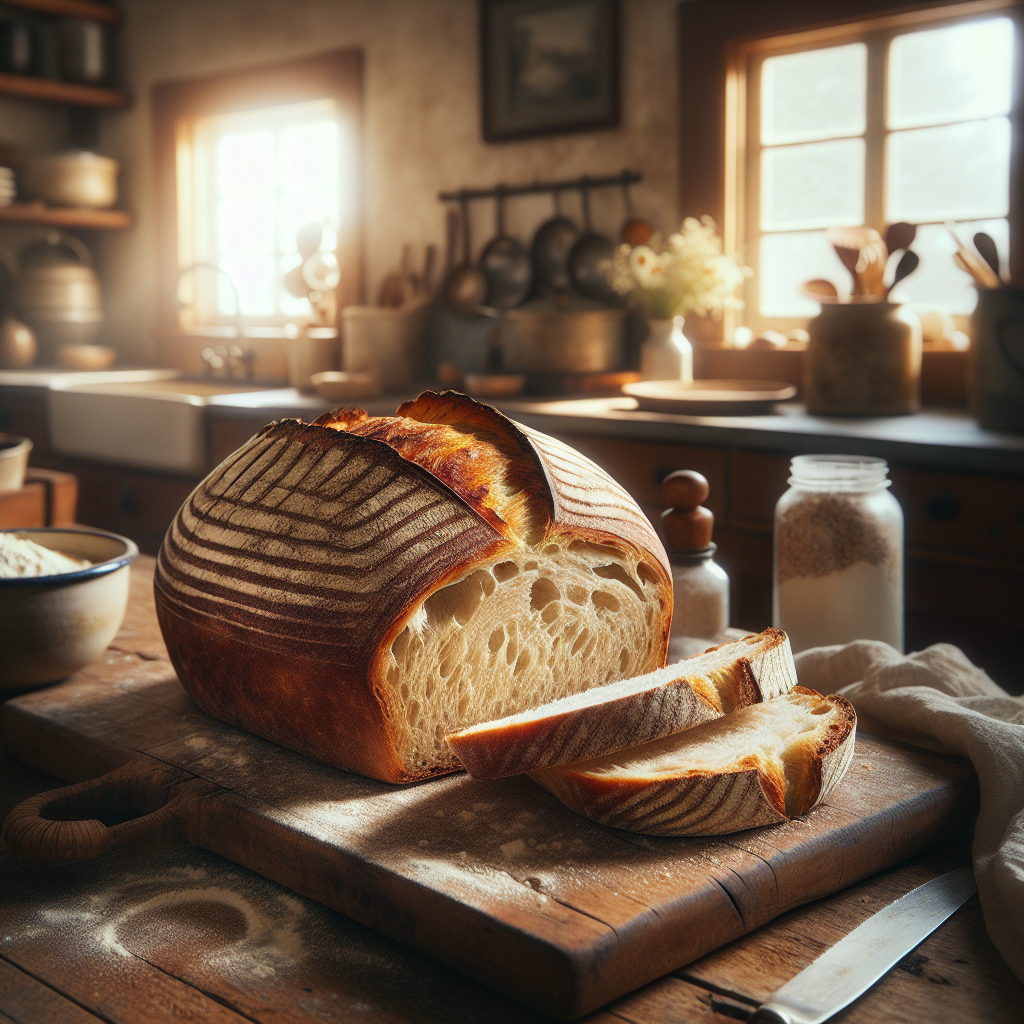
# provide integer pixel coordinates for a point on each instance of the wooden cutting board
(496, 879)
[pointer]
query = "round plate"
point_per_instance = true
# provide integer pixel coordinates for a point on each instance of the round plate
(709, 397)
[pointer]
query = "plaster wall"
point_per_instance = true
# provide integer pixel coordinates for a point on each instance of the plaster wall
(422, 129)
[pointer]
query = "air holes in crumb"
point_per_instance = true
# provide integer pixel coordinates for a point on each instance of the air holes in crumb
(542, 593)
(551, 613)
(458, 601)
(581, 641)
(496, 639)
(578, 595)
(623, 660)
(646, 574)
(552, 549)
(821, 709)
(616, 572)
(522, 663)
(605, 602)
(510, 653)
(504, 571)
(531, 567)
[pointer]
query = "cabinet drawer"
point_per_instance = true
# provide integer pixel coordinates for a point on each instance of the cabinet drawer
(756, 482)
(134, 504)
(986, 597)
(955, 512)
(640, 466)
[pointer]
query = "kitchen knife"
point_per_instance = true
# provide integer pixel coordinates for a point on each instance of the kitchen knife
(856, 962)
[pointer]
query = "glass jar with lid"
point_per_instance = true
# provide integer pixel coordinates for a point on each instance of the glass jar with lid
(838, 553)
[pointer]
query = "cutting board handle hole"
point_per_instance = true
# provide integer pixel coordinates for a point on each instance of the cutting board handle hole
(140, 807)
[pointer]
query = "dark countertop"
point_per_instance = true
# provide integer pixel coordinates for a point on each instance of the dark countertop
(941, 438)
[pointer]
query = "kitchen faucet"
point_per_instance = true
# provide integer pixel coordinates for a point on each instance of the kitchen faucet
(230, 361)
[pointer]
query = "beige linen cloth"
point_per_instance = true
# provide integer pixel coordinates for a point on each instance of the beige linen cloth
(937, 698)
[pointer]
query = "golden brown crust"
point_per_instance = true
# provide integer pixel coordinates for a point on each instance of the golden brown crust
(699, 801)
(290, 570)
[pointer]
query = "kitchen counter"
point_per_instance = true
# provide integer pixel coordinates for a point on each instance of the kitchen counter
(941, 438)
(185, 934)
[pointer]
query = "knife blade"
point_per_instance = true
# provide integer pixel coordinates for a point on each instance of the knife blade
(856, 962)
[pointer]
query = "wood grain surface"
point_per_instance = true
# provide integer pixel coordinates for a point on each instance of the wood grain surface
(494, 878)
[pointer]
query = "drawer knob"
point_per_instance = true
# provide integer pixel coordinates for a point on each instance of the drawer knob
(943, 508)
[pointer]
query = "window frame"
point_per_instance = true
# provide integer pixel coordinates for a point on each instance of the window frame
(336, 75)
(709, 102)
(742, 228)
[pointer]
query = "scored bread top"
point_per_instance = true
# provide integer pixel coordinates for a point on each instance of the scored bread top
(764, 763)
(291, 570)
(631, 711)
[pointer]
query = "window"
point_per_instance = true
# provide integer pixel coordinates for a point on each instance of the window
(245, 159)
(255, 178)
(879, 122)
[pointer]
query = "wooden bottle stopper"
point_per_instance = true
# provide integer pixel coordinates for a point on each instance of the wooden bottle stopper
(688, 525)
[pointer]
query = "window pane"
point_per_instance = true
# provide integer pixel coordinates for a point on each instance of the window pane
(257, 286)
(245, 226)
(786, 262)
(951, 74)
(817, 94)
(938, 280)
(309, 157)
(956, 172)
(815, 185)
(245, 164)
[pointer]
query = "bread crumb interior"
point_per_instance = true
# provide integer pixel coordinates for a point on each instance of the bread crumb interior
(523, 631)
(772, 736)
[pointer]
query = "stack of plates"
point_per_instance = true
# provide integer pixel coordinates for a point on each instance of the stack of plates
(7, 186)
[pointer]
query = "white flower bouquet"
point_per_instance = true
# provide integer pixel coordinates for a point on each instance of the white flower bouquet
(688, 274)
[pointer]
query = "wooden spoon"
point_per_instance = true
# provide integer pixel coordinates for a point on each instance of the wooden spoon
(863, 253)
(986, 246)
(820, 290)
(900, 235)
(907, 265)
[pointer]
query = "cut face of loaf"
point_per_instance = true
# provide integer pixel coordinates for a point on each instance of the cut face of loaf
(760, 765)
(631, 711)
(359, 587)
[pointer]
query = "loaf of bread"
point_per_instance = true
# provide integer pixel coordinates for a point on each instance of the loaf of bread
(760, 765)
(360, 587)
(631, 711)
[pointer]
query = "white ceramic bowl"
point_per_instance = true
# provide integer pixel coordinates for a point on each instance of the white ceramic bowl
(50, 626)
(74, 178)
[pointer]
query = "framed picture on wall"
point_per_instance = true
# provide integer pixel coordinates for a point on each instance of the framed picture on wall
(549, 66)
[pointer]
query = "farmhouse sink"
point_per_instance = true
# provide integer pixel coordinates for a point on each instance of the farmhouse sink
(148, 424)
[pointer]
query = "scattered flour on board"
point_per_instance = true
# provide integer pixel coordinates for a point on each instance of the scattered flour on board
(183, 907)
(22, 557)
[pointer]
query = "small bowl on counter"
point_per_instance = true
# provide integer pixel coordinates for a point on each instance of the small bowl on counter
(345, 386)
(52, 625)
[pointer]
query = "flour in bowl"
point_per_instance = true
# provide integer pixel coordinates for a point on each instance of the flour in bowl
(19, 557)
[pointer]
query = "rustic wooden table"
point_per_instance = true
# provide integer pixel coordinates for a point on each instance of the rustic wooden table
(187, 935)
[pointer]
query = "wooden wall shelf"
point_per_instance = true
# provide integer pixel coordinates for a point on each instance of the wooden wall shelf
(71, 9)
(64, 217)
(48, 90)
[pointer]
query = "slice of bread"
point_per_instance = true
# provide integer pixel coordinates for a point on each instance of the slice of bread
(760, 765)
(631, 711)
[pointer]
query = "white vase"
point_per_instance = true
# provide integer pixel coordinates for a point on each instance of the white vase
(666, 354)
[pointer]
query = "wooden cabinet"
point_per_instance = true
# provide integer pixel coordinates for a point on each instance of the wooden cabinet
(964, 540)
